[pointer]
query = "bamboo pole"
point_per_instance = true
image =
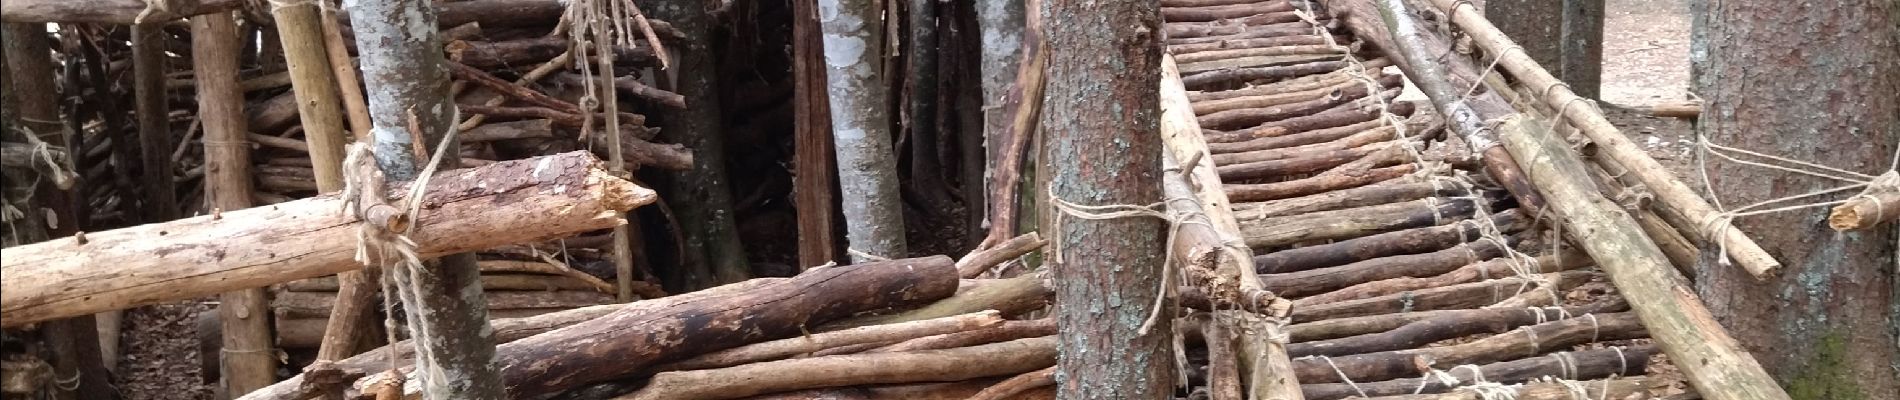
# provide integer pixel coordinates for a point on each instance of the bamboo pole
(247, 361)
(1715, 363)
(1611, 143)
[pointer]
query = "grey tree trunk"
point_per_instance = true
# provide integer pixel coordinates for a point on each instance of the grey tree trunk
(701, 197)
(1104, 148)
(1812, 82)
(1000, 27)
(404, 71)
(1582, 47)
(861, 128)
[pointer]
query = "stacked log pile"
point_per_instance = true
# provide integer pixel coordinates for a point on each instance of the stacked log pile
(1412, 270)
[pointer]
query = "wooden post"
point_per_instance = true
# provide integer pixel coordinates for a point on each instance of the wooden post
(407, 78)
(1000, 25)
(812, 160)
(701, 200)
(154, 115)
(1696, 212)
(248, 361)
(1109, 115)
(1713, 362)
(860, 96)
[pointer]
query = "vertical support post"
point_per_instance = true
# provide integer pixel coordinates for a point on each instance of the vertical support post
(814, 194)
(247, 360)
(408, 81)
(701, 198)
(148, 82)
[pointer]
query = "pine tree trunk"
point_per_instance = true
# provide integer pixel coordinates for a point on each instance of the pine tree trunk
(1104, 148)
(701, 197)
(1816, 83)
(408, 82)
(861, 127)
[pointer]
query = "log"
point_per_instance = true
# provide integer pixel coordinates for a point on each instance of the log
(1300, 84)
(1579, 365)
(783, 348)
(1223, 359)
(1012, 297)
(1466, 295)
(1354, 222)
(116, 12)
(1878, 204)
(1256, 43)
(977, 263)
(1183, 33)
(1362, 110)
(1684, 328)
(510, 130)
(1211, 79)
(1013, 386)
(1352, 326)
(1323, 280)
(1623, 388)
(1406, 189)
(1410, 241)
(1469, 273)
(626, 342)
(1007, 331)
(1419, 333)
(1314, 185)
(1308, 163)
(1005, 358)
(317, 304)
(1191, 61)
(504, 54)
(642, 153)
(1305, 55)
(1223, 12)
(960, 390)
(1519, 343)
(1205, 3)
(490, 282)
(1611, 144)
(1283, 96)
(309, 332)
(1284, 144)
(507, 202)
(1677, 109)
(1251, 111)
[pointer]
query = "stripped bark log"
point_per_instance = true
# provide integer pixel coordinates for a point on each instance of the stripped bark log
(469, 210)
(981, 261)
(1007, 331)
(1683, 326)
(1011, 296)
(783, 348)
(1579, 365)
(1519, 343)
(1411, 241)
(1467, 295)
(1878, 204)
(858, 369)
(1018, 384)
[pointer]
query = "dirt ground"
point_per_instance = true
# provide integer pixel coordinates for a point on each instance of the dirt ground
(1645, 57)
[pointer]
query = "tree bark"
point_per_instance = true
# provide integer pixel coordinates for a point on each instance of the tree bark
(861, 127)
(1104, 150)
(815, 191)
(117, 12)
(1826, 326)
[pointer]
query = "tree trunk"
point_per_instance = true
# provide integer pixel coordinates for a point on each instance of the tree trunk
(700, 197)
(154, 115)
(407, 78)
(1104, 150)
(1826, 326)
(248, 361)
(861, 127)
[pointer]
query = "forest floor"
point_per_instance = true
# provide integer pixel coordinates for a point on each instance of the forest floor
(1646, 48)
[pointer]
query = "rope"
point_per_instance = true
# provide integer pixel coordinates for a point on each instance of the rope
(1175, 220)
(1341, 373)
(1719, 223)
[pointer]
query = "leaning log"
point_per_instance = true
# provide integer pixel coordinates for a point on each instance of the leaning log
(465, 210)
(627, 342)
(119, 12)
(1716, 364)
